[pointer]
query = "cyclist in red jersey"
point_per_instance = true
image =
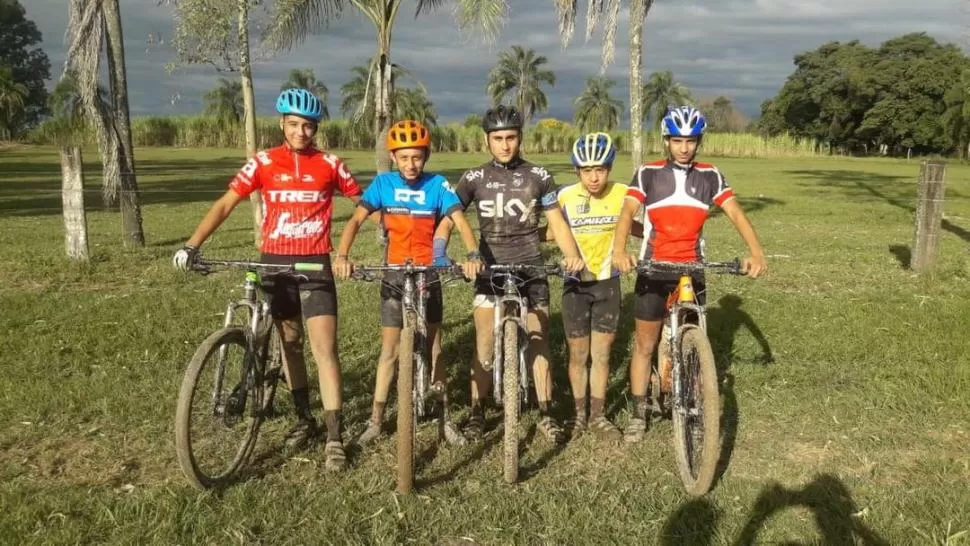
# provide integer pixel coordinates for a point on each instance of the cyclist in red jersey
(676, 196)
(297, 183)
(413, 202)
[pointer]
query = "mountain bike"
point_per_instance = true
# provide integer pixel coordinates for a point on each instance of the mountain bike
(684, 375)
(414, 370)
(231, 380)
(510, 370)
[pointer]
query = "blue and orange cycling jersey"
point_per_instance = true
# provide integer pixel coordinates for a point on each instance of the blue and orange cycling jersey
(411, 213)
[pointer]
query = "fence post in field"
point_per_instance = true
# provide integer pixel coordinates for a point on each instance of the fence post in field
(929, 215)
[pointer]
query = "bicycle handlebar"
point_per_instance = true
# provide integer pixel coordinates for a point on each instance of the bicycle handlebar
(732, 267)
(365, 272)
(205, 266)
(544, 269)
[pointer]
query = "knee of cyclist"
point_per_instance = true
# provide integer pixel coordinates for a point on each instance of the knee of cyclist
(645, 347)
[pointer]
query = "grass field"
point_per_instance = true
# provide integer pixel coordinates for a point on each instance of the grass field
(846, 398)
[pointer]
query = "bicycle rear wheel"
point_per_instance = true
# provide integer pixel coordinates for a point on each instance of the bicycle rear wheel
(406, 406)
(510, 401)
(214, 432)
(697, 420)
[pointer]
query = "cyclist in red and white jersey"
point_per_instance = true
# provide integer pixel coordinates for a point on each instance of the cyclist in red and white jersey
(297, 182)
(675, 195)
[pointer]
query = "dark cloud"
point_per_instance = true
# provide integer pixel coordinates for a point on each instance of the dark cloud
(739, 48)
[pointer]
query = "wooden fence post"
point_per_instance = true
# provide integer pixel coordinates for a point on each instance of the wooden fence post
(929, 215)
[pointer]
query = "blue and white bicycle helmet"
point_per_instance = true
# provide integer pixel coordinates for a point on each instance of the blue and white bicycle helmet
(683, 121)
(594, 150)
(299, 102)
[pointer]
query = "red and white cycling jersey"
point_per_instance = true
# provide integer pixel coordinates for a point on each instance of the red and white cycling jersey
(676, 201)
(297, 190)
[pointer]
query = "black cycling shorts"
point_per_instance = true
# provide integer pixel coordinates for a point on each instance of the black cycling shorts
(289, 297)
(592, 306)
(652, 293)
(534, 288)
(391, 309)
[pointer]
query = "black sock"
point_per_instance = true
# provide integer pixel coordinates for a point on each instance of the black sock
(640, 407)
(596, 407)
(543, 407)
(301, 400)
(580, 406)
(332, 419)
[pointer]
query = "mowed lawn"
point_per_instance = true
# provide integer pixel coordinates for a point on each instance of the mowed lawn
(846, 391)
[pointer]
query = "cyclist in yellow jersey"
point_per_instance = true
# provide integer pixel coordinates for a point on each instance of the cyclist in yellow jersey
(591, 304)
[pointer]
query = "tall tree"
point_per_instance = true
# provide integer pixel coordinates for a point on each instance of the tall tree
(305, 79)
(596, 9)
(518, 75)
(217, 33)
(660, 92)
(294, 20)
(225, 102)
(29, 66)
(406, 103)
(89, 31)
(595, 109)
(956, 117)
(131, 220)
(13, 97)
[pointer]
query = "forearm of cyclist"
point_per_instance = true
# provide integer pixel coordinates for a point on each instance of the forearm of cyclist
(350, 232)
(564, 240)
(374, 216)
(217, 214)
(755, 264)
(464, 229)
(623, 228)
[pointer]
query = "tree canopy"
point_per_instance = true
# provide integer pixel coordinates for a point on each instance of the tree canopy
(24, 65)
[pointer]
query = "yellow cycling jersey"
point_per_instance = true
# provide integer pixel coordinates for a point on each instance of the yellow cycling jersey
(593, 223)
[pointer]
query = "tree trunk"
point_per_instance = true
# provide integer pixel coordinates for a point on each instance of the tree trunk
(72, 198)
(638, 13)
(131, 221)
(249, 106)
(382, 112)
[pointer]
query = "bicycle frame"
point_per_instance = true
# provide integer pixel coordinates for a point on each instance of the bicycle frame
(510, 306)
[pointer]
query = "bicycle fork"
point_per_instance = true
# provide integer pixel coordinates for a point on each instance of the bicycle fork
(235, 403)
(498, 348)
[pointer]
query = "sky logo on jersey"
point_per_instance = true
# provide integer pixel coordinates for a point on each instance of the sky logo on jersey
(500, 208)
(296, 230)
(405, 195)
(296, 196)
(541, 172)
(474, 174)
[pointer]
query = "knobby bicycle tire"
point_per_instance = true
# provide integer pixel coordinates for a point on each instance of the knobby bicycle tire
(273, 367)
(697, 472)
(188, 394)
(510, 401)
(406, 408)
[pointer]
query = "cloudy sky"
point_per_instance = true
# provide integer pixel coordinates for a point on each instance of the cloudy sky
(742, 49)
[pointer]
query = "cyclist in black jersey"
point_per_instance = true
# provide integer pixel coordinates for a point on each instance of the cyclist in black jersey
(508, 193)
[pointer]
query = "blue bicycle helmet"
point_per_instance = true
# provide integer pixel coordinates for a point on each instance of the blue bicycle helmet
(683, 121)
(594, 150)
(299, 102)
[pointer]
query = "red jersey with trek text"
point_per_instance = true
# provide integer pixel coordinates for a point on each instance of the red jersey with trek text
(298, 190)
(676, 201)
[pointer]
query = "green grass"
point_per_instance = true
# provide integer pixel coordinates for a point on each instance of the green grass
(846, 404)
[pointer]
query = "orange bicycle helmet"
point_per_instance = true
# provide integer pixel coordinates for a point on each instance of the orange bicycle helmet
(408, 134)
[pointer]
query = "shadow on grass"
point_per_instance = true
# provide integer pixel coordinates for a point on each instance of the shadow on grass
(723, 323)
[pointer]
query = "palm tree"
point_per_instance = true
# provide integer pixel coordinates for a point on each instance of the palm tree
(305, 79)
(596, 110)
(225, 102)
(568, 9)
(94, 25)
(519, 74)
(12, 97)
(294, 20)
(407, 103)
(661, 92)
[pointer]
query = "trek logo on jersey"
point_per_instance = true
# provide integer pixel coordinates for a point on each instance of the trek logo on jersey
(296, 230)
(500, 208)
(405, 195)
(541, 172)
(296, 196)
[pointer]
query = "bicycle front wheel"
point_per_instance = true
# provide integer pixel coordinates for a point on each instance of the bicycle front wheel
(215, 431)
(406, 408)
(510, 401)
(697, 417)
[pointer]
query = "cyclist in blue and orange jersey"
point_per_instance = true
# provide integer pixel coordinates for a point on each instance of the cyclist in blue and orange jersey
(510, 194)
(297, 183)
(412, 202)
(677, 194)
(591, 302)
